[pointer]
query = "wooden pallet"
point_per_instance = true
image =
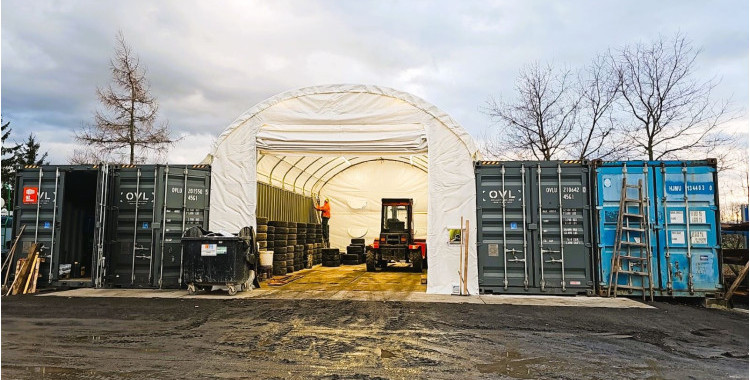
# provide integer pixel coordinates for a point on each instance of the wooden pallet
(283, 280)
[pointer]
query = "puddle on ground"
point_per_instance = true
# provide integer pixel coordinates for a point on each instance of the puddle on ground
(512, 364)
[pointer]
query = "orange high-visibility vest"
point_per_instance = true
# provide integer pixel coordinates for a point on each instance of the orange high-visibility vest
(326, 208)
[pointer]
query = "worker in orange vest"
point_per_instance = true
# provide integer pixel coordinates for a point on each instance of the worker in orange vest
(325, 214)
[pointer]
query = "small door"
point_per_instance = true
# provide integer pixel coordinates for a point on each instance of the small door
(132, 226)
(609, 190)
(102, 196)
(37, 208)
(534, 227)
(687, 225)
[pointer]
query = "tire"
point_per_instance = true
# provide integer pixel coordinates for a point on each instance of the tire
(291, 230)
(280, 230)
(370, 260)
(279, 271)
(261, 220)
(415, 257)
(291, 241)
(350, 257)
(331, 264)
(279, 251)
(263, 244)
(355, 250)
(279, 242)
(269, 245)
(261, 236)
(358, 242)
(349, 262)
(271, 229)
(262, 228)
(232, 290)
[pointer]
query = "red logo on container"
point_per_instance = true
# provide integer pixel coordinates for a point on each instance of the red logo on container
(30, 195)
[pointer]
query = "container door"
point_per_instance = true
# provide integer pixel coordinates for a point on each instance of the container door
(688, 232)
(609, 188)
(132, 226)
(100, 216)
(183, 203)
(37, 208)
(562, 252)
(503, 251)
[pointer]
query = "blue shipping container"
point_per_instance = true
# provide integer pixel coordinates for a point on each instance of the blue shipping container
(683, 216)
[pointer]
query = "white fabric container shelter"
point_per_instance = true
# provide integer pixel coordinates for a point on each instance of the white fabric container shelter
(354, 144)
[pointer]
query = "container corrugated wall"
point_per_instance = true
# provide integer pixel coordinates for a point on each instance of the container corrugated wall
(121, 224)
(151, 206)
(534, 230)
(684, 223)
(284, 205)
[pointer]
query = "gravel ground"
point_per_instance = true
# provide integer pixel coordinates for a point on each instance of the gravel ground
(127, 338)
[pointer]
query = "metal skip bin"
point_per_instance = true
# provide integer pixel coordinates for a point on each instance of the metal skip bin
(683, 216)
(151, 206)
(534, 227)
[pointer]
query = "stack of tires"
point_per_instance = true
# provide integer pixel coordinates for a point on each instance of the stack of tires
(331, 257)
(279, 247)
(310, 245)
(355, 253)
(299, 248)
(291, 243)
(263, 236)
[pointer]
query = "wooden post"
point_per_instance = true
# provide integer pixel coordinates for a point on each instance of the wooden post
(466, 258)
(461, 259)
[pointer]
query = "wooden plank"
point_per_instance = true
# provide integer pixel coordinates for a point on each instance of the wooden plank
(31, 287)
(736, 282)
(11, 254)
(24, 271)
(466, 260)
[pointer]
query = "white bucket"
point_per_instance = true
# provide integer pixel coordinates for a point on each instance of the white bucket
(266, 258)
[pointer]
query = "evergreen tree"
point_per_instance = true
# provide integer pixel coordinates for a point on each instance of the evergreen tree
(9, 162)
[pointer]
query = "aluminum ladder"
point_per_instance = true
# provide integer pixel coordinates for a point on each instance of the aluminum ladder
(631, 255)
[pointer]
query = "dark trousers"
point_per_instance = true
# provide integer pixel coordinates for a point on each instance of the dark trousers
(324, 224)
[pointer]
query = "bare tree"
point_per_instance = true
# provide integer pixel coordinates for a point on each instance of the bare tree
(128, 126)
(673, 112)
(597, 133)
(541, 119)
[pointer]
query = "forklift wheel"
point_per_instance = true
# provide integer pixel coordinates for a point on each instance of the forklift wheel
(370, 260)
(415, 257)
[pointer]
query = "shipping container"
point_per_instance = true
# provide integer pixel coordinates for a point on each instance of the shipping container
(683, 223)
(534, 227)
(110, 225)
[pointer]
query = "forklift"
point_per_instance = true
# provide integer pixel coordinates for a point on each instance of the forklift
(396, 242)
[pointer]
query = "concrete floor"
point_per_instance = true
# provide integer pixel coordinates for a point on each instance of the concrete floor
(354, 283)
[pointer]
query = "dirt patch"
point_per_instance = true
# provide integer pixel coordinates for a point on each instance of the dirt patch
(125, 338)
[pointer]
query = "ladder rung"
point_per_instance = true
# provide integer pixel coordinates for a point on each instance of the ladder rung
(632, 257)
(633, 200)
(632, 272)
(633, 243)
(633, 215)
(632, 287)
(633, 229)
(633, 186)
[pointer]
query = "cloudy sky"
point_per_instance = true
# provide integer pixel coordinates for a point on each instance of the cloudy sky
(209, 61)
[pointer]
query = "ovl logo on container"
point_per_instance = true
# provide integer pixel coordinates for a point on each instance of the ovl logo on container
(30, 195)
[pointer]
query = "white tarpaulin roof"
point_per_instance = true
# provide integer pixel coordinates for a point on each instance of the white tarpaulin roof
(334, 140)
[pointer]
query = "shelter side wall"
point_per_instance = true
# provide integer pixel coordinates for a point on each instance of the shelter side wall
(452, 195)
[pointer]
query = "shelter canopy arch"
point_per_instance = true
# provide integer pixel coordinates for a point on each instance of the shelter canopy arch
(303, 140)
